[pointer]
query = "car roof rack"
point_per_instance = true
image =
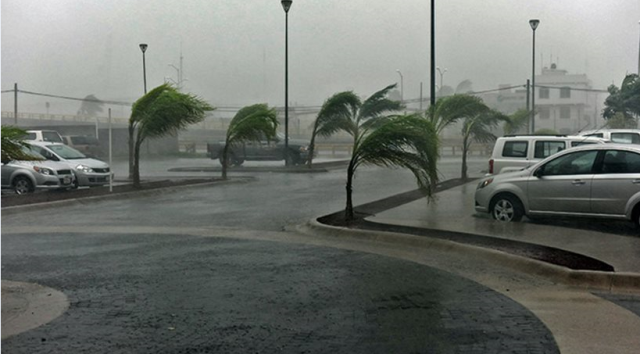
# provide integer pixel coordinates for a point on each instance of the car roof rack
(516, 135)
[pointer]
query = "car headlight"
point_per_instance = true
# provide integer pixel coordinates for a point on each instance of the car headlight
(84, 168)
(43, 170)
(485, 183)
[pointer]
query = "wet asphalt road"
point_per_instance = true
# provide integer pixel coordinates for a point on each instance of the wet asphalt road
(171, 293)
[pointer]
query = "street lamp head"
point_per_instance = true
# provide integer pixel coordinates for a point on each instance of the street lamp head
(143, 47)
(286, 4)
(534, 24)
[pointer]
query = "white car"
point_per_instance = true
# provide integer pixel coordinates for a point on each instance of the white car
(620, 136)
(89, 172)
(515, 152)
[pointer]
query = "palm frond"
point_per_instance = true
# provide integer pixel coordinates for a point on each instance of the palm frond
(337, 113)
(170, 112)
(378, 104)
(449, 110)
(13, 147)
(407, 141)
(251, 123)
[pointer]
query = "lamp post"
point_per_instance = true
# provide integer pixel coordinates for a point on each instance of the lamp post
(286, 5)
(433, 52)
(143, 48)
(534, 24)
(639, 55)
(401, 85)
(441, 76)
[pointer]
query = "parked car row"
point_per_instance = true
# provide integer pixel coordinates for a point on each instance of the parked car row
(594, 178)
(58, 167)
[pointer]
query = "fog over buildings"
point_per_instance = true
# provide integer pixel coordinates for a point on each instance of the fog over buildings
(233, 51)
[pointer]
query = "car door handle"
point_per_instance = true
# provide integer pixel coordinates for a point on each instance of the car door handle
(636, 181)
(578, 182)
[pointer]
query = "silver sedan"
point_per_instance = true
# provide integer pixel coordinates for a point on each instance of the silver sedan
(596, 181)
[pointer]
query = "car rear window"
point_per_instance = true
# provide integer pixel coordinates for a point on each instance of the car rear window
(53, 137)
(625, 138)
(515, 149)
(545, 149)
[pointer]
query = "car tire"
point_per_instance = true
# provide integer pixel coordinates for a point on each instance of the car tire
(22, 185)
(75, 184)
(507, 208)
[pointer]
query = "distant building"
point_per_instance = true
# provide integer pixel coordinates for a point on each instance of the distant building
(565, 102)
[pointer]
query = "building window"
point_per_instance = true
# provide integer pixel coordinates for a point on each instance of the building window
(544, 92)
(545, 113)
(565, 112)
(565, 92)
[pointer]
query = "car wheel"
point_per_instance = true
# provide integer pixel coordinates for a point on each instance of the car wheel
(507, 208)
(75, 184)
(22, 185)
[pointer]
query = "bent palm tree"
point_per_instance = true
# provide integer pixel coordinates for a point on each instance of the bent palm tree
(407, 141)
(334, 116)
(164, 110)
(449, 110)
(345, 111)
(477, 127)
(249, 124)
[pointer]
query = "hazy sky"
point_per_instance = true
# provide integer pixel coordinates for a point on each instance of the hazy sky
(234, 50)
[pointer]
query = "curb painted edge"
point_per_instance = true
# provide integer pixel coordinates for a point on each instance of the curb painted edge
(607, 281)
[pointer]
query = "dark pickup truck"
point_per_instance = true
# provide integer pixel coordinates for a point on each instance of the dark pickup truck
(263, 150)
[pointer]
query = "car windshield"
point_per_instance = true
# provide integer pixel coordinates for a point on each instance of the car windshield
(66, 152)
(31, 151)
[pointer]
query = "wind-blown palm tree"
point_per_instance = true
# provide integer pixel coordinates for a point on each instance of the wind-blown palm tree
(407, 141)
(164, 110)
(449, 110)
(345, 111)
(334, 116)
(249, 124)
(516, 121)
(477, 127)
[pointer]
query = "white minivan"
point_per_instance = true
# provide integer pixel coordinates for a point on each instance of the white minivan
(515, 152)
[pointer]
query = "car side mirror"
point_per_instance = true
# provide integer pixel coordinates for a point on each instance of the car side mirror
(539, 172)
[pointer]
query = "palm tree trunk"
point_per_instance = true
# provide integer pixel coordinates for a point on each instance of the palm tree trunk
(225, 159)
(311, 150)
(348, 212)
(131, 134)
(465, 148)
(136, 163)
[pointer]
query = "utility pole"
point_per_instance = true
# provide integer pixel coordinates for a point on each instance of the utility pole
(433, 52)
(420, 96)
(528, 98)
(15, 104)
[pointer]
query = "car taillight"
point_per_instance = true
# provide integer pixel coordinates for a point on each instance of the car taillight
(491, 166)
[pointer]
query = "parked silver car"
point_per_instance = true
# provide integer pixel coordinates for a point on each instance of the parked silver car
(595, 180)
(88, 171)
(27, 176)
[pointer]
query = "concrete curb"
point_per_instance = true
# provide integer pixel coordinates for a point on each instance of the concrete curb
(608, 281)
(116, 196)
(26, 306)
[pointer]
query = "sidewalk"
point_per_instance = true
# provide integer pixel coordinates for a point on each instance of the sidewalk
(612, 242)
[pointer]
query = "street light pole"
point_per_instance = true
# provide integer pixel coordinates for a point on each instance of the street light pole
(143, 48)
(433, 52)
(401, 85)
(534, 24)
(286, 5)
(639, 54)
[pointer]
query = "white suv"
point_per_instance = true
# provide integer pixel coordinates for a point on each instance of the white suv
(620, 136)
(515, 152)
